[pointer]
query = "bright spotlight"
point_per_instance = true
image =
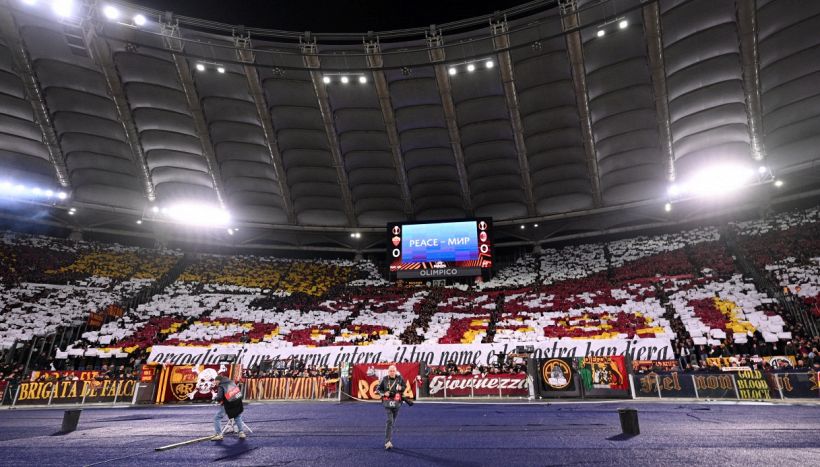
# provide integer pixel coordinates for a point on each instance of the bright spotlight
(5, 185)
(471, 68)
(623, 24)
(601, 33)
(761, 170)
(452, 71)
(363, 79)
(20, 188)
(49, 193)
(139, 221)
(63, 8)
(36, 191)
(199, 214)
(345, 80)
(489, 64)
(111, 12)
(326, 79)
(230, 231)
(778, 183)
(523, 227)
(719, 180)
(71, 213)
(667, 207)
(29, 2)
(535, 225)
(139, 20)
(220, 69)
(62, 195)
(674, 190)
(155, 209)
(353, 235)
(200, 67)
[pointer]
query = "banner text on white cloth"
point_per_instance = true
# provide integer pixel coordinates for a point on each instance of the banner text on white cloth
(433, 354)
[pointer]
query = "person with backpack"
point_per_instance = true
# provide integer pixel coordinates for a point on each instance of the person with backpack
(229, 397)
(391, 389)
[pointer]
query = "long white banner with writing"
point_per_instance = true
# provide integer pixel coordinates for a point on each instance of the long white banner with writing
(432, 354)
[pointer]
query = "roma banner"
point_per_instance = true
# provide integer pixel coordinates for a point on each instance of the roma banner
(82, 375)
(366, 378)
(312, 387)
(431, 354)
(75, 392)
(487, 385)
(192, 383)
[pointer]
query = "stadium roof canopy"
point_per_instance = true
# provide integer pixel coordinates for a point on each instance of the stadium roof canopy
(577, 115)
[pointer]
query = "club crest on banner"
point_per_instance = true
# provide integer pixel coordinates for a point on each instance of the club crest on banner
(557, 374)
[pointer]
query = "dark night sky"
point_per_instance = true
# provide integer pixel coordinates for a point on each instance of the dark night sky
(331, 16)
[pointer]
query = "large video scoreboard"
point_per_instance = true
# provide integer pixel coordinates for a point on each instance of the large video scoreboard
(440, 249)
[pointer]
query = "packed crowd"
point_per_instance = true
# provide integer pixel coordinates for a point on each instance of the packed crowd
(680, 285)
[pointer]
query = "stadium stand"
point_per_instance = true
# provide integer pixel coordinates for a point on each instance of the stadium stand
(682, 285)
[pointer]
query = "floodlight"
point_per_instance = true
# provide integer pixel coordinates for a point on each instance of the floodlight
(63, 8)
(200, 67)
(326, 79)
(452, 71)
(155, 209)
(139, 221)
(220, 69)
(139, 20)
(363, 79)
(49, 193)
(523, 226)
(29, 2)
(345, 79)
(471, 68)
(623, 24)
(489, 64)
(601, 33)
(667, 207)
(719, 179)
(762, 169)
(199, 214)
(111, 12)
(778, 183)
(62, 195)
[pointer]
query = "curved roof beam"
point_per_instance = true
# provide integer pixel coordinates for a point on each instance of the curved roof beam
(374, 60)
(170, 34)
(575, 49)
(435, 44)
(311, 60)
(102, 54)
(750, 63)
(501, 42)
(657, 68)
(244, 52)
(11, 35)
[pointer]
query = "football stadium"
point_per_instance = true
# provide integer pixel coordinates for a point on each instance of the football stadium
(354, 233)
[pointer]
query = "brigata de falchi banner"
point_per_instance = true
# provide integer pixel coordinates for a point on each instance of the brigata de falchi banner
(433, 354)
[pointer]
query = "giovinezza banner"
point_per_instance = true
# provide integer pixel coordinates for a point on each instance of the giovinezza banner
(431, 354)
(478, 385)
